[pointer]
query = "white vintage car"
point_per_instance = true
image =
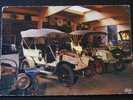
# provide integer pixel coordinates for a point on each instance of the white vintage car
(45, 50)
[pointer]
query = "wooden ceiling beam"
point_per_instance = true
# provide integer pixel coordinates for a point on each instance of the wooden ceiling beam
(20, 11)
(115, 13)
(43, 14)
(49, 11)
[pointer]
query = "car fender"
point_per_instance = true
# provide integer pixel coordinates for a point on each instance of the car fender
(61, 62)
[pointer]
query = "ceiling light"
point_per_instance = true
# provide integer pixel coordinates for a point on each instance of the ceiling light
(77, 9)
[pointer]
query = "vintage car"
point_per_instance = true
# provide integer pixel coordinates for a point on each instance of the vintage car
(9, 51)
(50, 52)
(9, 62)
(13, 83)
(105, 54)
(125, 41)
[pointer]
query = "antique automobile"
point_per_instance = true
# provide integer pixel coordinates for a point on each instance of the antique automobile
(125, 41)
(50, 52)
(14, 83)
(106, 55)
(9, 51)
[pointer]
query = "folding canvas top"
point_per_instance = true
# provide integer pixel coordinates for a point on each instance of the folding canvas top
(82, 32)
(78, 32)
(39, 32)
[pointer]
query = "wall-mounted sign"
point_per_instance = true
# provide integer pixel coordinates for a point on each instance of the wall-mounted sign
(124, 35)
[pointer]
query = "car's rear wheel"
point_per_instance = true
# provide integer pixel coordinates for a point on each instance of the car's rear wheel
(119, 66)
(66, 74)
(90, 70)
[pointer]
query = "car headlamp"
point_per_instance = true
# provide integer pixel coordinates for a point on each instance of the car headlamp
(23, 81)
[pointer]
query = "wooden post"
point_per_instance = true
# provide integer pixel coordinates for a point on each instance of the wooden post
(43, 14)
(74, 24)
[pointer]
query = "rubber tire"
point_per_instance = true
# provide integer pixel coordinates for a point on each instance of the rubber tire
(66, 68)
(119, 69)
(117, 51)
(90, 71)
(100, 66)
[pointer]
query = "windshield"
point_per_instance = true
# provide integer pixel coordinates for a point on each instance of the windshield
(33, 43)
(39, 43)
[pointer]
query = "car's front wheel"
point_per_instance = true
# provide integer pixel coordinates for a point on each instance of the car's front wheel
(66, 74)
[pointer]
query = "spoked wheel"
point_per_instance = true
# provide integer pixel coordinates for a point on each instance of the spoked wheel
(66, 74)
(23, 81)
(99, 66)
(119, 66)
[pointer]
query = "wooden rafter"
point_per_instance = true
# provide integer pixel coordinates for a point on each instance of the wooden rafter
(20, 10)
(43, 14)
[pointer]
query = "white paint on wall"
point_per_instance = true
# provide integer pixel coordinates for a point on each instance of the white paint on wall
(123, 27)
(92, 16)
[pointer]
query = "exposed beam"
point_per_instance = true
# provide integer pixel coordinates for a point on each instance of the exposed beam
(108, 8)
(48, 11)
(20, 11)
(96, 15)
(105, 12)
(42, 15)
(107, 21)
(74, 23)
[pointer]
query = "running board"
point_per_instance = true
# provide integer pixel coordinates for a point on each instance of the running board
(52, 77)
(48, 74)
(45, 72)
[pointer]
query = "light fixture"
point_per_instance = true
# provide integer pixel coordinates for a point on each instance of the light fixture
(23, 81)
(77, 10)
